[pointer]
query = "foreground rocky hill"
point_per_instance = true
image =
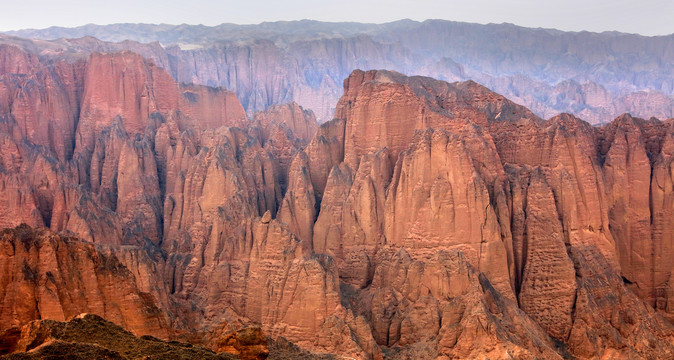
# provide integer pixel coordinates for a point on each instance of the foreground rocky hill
(594, 76)
(87, 336)
(92, 337)
(427, 220)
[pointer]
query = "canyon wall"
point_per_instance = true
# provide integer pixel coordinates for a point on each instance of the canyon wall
(427, 219)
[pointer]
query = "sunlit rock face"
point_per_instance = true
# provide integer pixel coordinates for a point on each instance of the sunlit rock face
(427, 219)
(48, 276)
(535, 206)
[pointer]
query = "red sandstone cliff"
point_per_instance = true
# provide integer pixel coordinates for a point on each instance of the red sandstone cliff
(529, 203)
(426, 220)
(47, 276)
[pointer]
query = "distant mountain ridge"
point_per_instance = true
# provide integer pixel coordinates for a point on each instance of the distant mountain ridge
(174, 34)
(596, 76)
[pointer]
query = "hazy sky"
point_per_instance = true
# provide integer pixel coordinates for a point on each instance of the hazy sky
(648, 17)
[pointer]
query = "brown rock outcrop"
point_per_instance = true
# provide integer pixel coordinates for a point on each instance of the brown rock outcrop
(47, 276)
(247, 344)
(125, 85)
(308, 177)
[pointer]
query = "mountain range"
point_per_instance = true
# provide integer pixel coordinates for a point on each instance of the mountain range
(595, 76)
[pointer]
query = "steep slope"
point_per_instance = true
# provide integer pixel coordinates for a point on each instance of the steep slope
(47, 276)
(527, 202)
(89, 121)
(173, 180)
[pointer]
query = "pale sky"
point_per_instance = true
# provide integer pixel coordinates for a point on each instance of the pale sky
(646, 17)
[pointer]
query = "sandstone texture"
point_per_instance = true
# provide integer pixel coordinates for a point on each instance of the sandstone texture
(426, 220)
(431, 168)
(248, 344)
(46, 276)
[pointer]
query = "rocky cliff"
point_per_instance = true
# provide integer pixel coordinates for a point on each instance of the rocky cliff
(47, 276)
(532, 205)
(426, 220)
